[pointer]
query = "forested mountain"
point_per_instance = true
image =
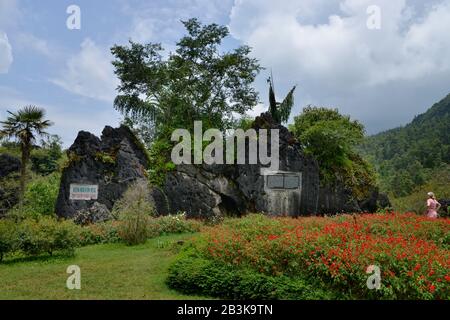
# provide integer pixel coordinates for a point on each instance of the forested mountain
(407, 157)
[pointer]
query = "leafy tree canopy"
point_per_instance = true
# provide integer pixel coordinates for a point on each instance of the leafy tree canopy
(331, 138)
(44, 159)
(327, 134)
(25, 126)
(196, 82)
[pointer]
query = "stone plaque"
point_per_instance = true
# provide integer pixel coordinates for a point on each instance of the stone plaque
(83, 192)
(291, 182)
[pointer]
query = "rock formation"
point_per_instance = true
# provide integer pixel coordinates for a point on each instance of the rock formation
(8, 164)
(206, 191)
(111, 163)
(211, 190)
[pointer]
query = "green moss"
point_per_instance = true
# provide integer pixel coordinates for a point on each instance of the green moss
(160, 164)
(72, 158)
(105, 157)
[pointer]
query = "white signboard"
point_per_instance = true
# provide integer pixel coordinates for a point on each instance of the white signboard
(83, 192)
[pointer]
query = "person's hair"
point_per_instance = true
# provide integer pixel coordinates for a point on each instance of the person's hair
(431, 195)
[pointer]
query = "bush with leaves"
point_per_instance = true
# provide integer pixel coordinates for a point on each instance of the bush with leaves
(45, 159)
(172, 224)
(332, 139)
(96, 233)
(47, 235)
(134, 210)
(324, 254)
(33, 237)
(9, 240)
(40, 195)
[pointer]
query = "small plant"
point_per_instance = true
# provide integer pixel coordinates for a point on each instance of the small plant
(40, 196)
(103, 232)
(8, 237)
(160, 163)
(326, 254)
(134, 211)
(105, 158)
(172, 224)
(47, 235)
(33, 237)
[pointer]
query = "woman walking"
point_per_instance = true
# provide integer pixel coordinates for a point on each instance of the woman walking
(432, 206)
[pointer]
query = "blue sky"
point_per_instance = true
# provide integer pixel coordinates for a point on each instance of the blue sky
(382, 77)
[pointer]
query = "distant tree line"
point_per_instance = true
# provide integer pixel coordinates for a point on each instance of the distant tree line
(407, 157)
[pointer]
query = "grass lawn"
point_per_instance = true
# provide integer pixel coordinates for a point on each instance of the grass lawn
(110, 271)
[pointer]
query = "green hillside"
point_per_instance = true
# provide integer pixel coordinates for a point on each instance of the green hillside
(407, 158)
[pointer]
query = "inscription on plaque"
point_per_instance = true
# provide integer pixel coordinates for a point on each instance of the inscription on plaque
(83, 192)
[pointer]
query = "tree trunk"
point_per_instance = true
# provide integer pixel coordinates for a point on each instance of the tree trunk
(25, 146)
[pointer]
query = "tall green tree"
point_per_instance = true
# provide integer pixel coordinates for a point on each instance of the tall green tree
(328, 135)
(44, 160)
(332, 139)
(24, 126)
(280, 111)
(196, 82)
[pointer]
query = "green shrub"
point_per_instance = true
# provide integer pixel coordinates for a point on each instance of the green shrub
(9, 192)
(40, 196)
(159, 162)
(115, 231)
(134, 211)
(192, 274)
(47, 235)
(172, 224)
(282, 257)
(45, 160)
(8, 237)
(104, 232)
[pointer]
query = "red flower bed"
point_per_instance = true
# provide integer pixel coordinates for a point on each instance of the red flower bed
(412, 252)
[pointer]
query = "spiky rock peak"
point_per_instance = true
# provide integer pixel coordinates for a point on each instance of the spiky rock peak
(112, 163)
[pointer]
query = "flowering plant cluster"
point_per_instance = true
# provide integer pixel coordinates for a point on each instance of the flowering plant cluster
(411, 251)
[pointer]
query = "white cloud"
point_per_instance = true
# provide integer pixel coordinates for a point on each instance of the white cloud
(6, 57)
(90, 73)
(257, 110)
(326, 48)
(344, 47)
(9, 13)
(155, 21)
(66, 121)
(27, 41)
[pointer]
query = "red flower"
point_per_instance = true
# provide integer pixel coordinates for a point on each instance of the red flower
(432, 288)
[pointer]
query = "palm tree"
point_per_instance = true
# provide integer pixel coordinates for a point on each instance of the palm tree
(280, 111)
(25, 125)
